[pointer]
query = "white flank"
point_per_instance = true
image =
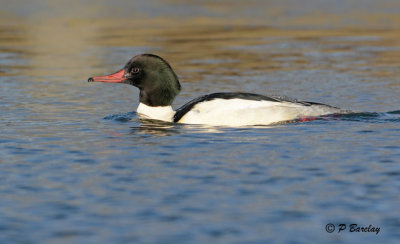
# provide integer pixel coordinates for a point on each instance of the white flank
(164, 113)
(239, 112)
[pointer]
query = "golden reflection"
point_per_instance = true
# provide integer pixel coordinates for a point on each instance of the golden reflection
(59, 37)
(72, 39)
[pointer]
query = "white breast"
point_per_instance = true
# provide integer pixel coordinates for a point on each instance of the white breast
(164, 113)
(239, 112)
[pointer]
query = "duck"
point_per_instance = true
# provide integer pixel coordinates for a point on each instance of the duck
(159, 85)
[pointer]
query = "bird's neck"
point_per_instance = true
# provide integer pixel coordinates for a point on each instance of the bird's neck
(164, 113)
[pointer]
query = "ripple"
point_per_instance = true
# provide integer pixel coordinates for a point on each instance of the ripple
(68, 175)
(121, 117)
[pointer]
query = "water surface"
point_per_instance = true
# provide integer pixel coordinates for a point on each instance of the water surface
(78, 165)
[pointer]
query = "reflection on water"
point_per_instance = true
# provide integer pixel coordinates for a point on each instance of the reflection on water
(77, 165)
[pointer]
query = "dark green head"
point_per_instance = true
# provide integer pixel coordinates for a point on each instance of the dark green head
(157, 82)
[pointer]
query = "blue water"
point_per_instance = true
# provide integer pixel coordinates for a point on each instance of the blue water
(77, 165)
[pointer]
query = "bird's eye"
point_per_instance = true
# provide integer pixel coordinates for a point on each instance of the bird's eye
(135, 70)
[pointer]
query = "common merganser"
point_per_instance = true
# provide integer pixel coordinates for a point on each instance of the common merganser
(159, 85)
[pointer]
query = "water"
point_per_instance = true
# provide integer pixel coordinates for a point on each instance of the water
(79, 166)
